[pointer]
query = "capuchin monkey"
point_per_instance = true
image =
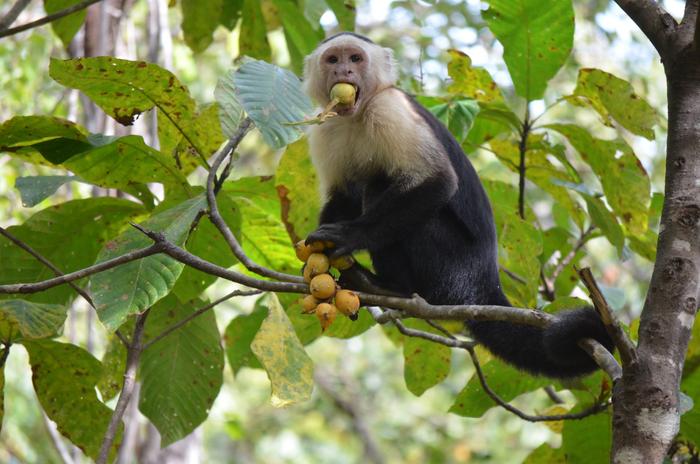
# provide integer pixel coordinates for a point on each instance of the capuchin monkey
(396, 183)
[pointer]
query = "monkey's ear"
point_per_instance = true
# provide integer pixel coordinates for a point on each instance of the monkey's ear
(389, 68)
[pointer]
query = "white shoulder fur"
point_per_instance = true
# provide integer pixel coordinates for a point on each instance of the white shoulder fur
(388, 136)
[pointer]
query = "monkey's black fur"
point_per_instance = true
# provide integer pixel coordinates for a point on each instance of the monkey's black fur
(441, 245)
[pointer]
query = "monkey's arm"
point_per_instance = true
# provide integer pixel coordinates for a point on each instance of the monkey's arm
(341, 206)
(388, 216)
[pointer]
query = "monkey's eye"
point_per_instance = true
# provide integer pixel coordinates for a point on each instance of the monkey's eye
(355, 58)
(332, 59)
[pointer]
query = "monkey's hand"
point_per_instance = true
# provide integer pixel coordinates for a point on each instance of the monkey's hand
(345, 237)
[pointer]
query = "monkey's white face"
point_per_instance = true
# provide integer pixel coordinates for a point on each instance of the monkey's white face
(347, 64)
(366, 66)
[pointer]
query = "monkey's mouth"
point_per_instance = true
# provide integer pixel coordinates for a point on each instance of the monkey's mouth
(348, 109)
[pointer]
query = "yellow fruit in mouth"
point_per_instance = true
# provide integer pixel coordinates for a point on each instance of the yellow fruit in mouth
(344, 93)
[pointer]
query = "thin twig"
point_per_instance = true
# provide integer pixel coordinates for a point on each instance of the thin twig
(57, 440)
(45, 262)
(451, 341)
(594, 409)
(566, 260)
(213, 186)
(553, 395)
(522, 148)
(198, 313)
(49, 18)
(628, 353)
(132, 361)
(12, 14)
(35, 287)
(512, 275)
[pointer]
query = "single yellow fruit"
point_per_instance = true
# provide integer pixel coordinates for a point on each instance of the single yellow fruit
(326, 313)
(345, 93)
(342, 263)
(318, 264)
(307, 274)
(302, 250)
(322, 286)
(309, 304)
(347, 303)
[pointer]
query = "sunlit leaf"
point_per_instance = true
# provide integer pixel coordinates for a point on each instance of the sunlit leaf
(272, 96)
(252, 39)
(240, 334)
(26, 320)
(606, 221)
(614, 98)
(136, 286)
(624, 180)
(545, 454)
(537, 36)
(64, 378)
(182, 373)
(283, 356)
(65, 28)
(297, 187)
(471, 82)
(344, 11)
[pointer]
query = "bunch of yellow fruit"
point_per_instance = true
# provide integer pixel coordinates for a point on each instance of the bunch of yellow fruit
(327, 298)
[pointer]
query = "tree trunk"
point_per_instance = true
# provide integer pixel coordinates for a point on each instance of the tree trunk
(646, 414)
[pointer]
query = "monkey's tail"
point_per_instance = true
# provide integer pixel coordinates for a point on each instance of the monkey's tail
(551, 351)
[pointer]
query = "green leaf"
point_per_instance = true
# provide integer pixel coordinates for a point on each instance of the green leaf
(426, 363)
(471, 82)
(614, 98)
(297, 187)
(587, 440)
(114, 364)
(18, 134)
(343, 327)
(545, 454)
(299, 30)
(252, 39)
(606, 221)
(199, 20)
(121, 162)
(35, 189)
(457, 115)
(230, 13)
(204, 135)
(263, 236)
(272, 96)
(537, 36)
(230, 110)
(64, 378)
(344, 11)
(519, 245)
(65, 28)
(690, 421)
(279, 350)
(624, 180)
(136, 286)
(506, 381)
(79, 226)
(182, 373)
(565, 303)
(240, 334)
(30, 320)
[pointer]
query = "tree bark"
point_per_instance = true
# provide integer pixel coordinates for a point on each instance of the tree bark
(646, 414)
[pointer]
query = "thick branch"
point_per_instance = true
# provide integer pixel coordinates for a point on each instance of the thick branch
(213, 186)
(132, 361)
(35, 287)
(653, 20)
(9, 18)
(628, 352)
(49, 18)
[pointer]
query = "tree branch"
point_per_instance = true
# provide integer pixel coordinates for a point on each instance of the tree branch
(522, 148)
(213, 187)
(132, 361)
(35, 287)
(602, 357)
(49, 18)
(45, 262)
(628, 352)
(12, 14)
(198, 313)
(653, 20)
